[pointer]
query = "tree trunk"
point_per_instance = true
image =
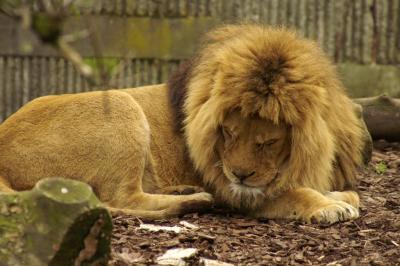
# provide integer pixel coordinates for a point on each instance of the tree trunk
(382, 116)
(59, 222)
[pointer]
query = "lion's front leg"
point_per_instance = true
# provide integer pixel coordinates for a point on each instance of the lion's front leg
(309, 205)
(180, 190)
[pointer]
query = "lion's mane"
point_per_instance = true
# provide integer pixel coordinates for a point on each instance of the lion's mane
(275, 74)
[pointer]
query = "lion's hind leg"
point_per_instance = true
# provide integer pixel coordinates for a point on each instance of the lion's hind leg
(159, 206)
(123, 162)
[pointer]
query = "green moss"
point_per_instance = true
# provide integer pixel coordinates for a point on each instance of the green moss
(162, 38)
(380, 168)
(47, 27)
(107, 64)
(370, 80)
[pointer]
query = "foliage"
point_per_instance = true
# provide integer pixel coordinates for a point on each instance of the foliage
(381, 168)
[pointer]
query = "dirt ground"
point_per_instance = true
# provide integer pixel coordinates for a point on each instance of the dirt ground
(373, 239)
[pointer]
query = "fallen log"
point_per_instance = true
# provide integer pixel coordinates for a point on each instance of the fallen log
(382, 116)
(368, 143)
(58, 222)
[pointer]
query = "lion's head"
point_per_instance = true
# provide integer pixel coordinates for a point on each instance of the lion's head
(258, 108)
(252, 150)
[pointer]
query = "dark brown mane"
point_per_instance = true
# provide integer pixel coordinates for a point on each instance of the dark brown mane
(177, 90)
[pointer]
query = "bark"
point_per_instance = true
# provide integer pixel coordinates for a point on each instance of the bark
(382, 116)
(368, 144)
(58, 222)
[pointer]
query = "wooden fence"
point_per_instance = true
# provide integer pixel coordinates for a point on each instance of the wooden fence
(143, 41)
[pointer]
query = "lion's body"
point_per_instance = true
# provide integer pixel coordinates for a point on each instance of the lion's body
(294, 136)
(104, 122)
(106, 139)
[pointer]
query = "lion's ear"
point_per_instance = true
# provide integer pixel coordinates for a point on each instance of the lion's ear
(177, 91)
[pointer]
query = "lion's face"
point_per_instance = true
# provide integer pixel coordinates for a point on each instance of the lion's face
(252, 151)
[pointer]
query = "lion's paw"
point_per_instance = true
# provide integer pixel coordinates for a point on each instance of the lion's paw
(334, 212)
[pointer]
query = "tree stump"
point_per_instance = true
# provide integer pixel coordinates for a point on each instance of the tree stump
(59, 222)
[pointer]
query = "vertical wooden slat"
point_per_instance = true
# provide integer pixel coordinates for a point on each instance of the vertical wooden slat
(8, 87)
(328, 15)
(356, 31)
(96, 7)
(302, 17)
(2, 89)
(382, 31)
(144, 72)
(164, 71)
(201, 8)
(79, 83)
(108, 6)
(61, 75)
(397, 35)
(340, 29)
(191, 8)
(320, 22)
(393, 13)
(263, 12)
(34, 79)
(308, 12)
(282, 11)
(154, 72)
(52, 72)
(128, 73)
(70, 78)
(273, 12)
(367, 32)
(119, 7)
(137, 72)
(120, 73)
(17, 88)
(291, 13)
(141, 7)
(43, 75)
(130, 7)
(215, 7)
(26, 82)
(170, 8)
(245, 11)
(348, 30)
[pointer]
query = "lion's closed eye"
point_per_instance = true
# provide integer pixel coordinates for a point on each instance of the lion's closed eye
(266, 144)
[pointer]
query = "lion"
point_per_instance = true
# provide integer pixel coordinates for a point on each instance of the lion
(258, 119)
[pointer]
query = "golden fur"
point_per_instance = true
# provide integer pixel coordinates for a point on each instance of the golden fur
(263, 123)
(275, 75)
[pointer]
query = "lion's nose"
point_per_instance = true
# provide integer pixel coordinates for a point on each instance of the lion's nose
(242, 175)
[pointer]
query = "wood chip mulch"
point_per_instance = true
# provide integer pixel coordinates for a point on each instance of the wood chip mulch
(373, 239)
